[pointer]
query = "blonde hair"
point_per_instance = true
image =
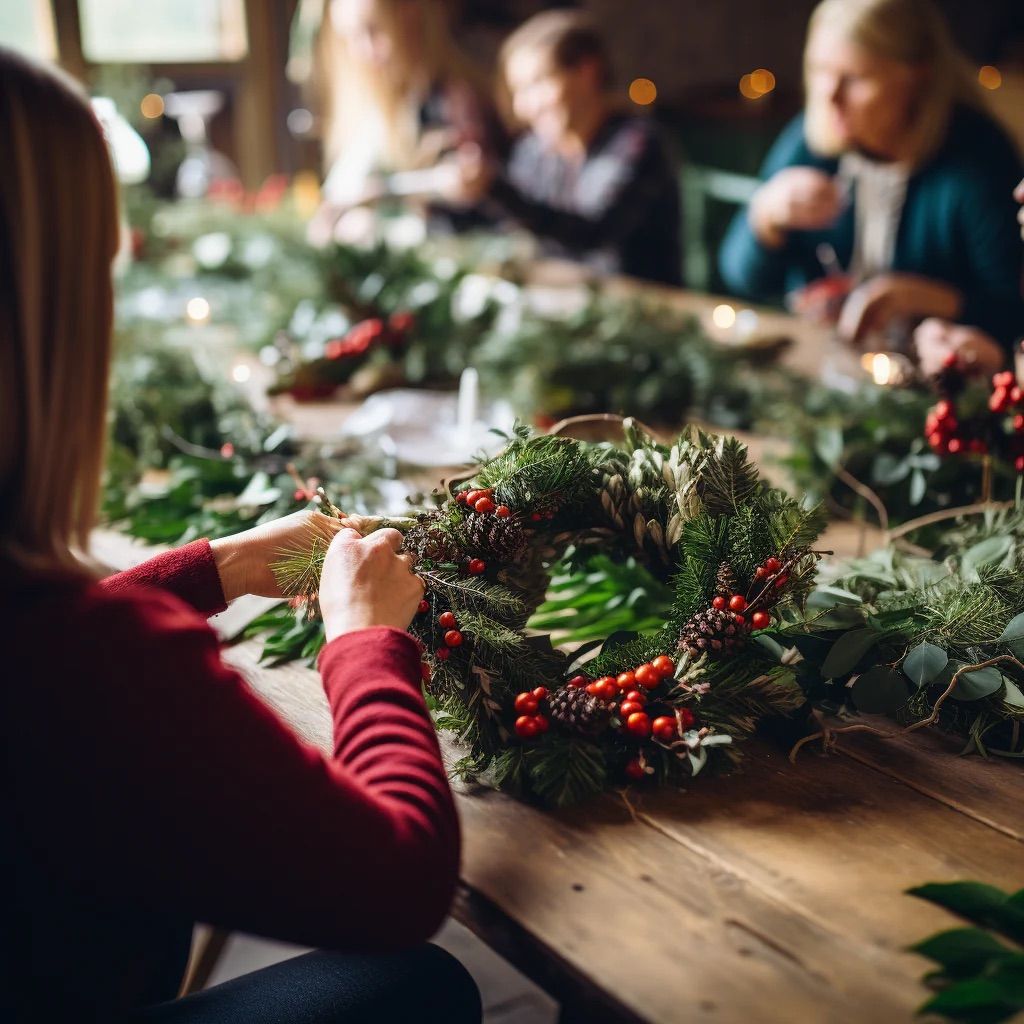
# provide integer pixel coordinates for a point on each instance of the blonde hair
(910, 32)
(563, 38)
(58, 235)
(355, 100)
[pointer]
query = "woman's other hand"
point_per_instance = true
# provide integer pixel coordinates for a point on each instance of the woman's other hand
(244, 561)
(365, 582)
(936, 339)
(876, 303)
(795, 199)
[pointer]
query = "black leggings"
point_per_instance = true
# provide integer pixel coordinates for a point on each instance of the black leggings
(420, 985)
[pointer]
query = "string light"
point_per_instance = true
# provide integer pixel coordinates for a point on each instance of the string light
(642, 91)
(723, 316)
(152, 105)
(990, 77)
(197, 310)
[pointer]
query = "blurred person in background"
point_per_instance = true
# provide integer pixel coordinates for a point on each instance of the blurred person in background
(592, 181)
(894, 179)
(397, 96)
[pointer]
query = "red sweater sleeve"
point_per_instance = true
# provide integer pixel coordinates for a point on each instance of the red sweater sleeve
(159, 779)
(189, 572)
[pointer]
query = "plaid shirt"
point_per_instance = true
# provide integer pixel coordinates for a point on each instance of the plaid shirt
(617, 210)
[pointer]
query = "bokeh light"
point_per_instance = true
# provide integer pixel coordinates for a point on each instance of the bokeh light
(762, 81)
(723, 316)
(642, 91)
(747, 90)
(197, 310)
(152, 105)
(990, 77)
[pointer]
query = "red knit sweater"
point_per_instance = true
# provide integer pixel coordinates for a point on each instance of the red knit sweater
(145, 778)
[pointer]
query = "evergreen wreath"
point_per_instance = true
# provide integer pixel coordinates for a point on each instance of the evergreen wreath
(561, 726)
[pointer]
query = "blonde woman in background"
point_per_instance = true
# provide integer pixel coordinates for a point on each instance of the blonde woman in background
(893, 175)
(145, 786)
(397, 96)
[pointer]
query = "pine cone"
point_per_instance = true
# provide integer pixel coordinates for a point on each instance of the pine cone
(713, 631)
(489, 535)
(575, 709)
(429, 539)
(725, 581)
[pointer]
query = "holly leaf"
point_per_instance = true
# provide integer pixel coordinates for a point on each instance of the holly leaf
(924, 663)
(847, 651)
(880, 690)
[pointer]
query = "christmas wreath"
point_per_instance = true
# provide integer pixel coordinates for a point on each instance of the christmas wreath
(563, 725)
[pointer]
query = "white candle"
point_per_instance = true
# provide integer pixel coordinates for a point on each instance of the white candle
(469, 388)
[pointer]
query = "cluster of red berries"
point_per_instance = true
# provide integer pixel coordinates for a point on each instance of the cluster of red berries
(530, 722)
(482, 502)
(366, 334)
(452, 634)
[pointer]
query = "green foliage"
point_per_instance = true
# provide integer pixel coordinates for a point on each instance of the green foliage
(979, 977)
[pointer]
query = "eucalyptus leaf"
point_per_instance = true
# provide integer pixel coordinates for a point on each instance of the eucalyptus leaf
(918, 487)
(828, 443)
(989, 552)
(1014, 630)
(924, 663)
(847, 652)
(982, 682)
(880, 690)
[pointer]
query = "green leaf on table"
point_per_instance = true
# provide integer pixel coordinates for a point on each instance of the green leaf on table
(924, 663)
(962, 952)
(847, 651)
(965, 999)
(1014, 630)
(978, 903)
(880, 690)
(982, 682)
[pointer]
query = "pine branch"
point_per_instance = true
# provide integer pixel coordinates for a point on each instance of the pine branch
(728, 479)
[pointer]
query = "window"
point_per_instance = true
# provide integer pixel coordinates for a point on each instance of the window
(28, 28)
(162, 31)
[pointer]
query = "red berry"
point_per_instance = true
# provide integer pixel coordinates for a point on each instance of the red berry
(460, 498)
(484, 505)
(664, 728)
(526, 727)
(1018, 464)
(442, 654)
(647, 676)
(472, 496)
(540, 693)
(998, 400)
(446, 620)
(630, 707)
(453, 638)
(425, 671)
(424, 607)
(740, 620)
(535, 517)
(760, 620)
(300, 495)
(526, 704)
(626, 680)
(719, 603)
(737, 603)
(542, 723)
(1016, 394)
(773, 564)
(760, 572)
(503, 511)
(943, 409)
(781, 581)
(227, 449)
(639, 724)
(955, 445)
(635, 770)
(950, 360)
(935, 440)
(664, 666)
(476, 566)
(1005, 379)
(1018, 422)
(609, 689)
(636, 696)
(686, 717)
(578, 682)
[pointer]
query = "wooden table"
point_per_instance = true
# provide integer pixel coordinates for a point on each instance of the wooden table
(770, 895)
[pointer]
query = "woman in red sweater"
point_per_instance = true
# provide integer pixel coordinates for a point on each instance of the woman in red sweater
(145, 786)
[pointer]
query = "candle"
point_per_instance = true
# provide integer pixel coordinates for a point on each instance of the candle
(469, 388)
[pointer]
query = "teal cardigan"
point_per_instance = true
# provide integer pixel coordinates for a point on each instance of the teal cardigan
(958, 225)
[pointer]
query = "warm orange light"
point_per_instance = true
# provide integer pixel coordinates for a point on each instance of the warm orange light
(762, 81)
(642, 91)
(990, 77)
(747, 90)
(152, 105)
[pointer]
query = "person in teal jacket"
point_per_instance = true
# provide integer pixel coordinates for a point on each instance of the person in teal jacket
(894, 177)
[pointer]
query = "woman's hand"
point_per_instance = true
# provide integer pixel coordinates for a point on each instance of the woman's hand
(365, 582)
(877, 302)
(466, 177)
(936, 339)
(794, 199)
(244, 560)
